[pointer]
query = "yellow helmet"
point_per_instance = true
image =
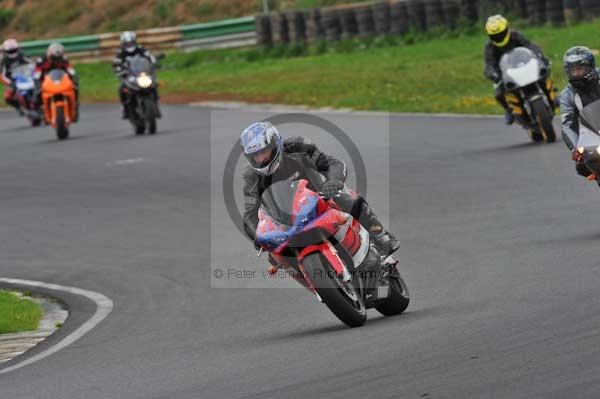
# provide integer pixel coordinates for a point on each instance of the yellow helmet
(497, 29)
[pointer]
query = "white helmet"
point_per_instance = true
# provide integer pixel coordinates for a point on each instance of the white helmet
(129, 41)
(11, 48)
(56, 51)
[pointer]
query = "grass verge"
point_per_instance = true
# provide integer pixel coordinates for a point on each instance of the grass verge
(416, 73)
(17, 314)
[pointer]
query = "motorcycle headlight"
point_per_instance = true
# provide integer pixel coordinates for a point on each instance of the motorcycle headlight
(581, 150)
(598, 149)
(144, 81)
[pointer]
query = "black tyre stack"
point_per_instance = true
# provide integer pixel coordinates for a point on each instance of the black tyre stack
(517, 7)
(590, 8)
(399, 20)
(364, 20)
(416, 14)
(348, 22)
(381, 17)
(555, 12)
(572, 10)
(330, 20)
(296, 26)
(434, 16)
(279, 28)
(314, 28)
(537, 11)
(263, 30)
(451, 13)
(469, 9)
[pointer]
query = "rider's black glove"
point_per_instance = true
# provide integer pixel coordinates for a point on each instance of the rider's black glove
(331, 188)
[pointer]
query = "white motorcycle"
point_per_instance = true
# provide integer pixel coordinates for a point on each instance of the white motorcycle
(530, 93)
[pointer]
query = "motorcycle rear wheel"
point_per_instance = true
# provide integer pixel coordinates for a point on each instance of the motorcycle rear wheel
(343, 299)
(399, 297)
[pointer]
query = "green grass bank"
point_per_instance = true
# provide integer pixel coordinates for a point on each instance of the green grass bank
(434, 73)
(17, 314)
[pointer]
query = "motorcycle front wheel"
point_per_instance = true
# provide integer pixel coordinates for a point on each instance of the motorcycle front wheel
(62, 131)
(342, 298)
(150, 114)
(543, 117)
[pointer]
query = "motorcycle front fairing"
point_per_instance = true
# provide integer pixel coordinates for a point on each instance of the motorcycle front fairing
(588, 143)
(141, 74)
(293, 217)
(23, 78)
(520, 68)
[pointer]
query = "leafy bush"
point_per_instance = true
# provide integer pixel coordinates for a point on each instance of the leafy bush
(6, 15)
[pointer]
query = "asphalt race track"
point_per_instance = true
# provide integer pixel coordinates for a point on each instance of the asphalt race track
(500, 251)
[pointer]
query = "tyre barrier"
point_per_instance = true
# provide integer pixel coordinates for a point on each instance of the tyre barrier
(416, 15)
(348, 22)
(364, 20)
(451, 13)
(314, 28)
(537, 11)
(279, 28)
(296, 26)
(469, 9)
(381, 17)
(590, 9)
(330, 21)
(555, 12)
(434, 16)
(399, 20)
(572, 11)
(398, 17)
(263, 30)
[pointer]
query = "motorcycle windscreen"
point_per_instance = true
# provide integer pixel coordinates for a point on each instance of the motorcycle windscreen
(139, 65)
(520, 66)
(23, 77)
(590, 116)
(287, 206)
(56, 75)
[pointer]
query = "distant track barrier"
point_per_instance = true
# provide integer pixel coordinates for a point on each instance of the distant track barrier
(237, 32)
(348, 21)
(398, 17)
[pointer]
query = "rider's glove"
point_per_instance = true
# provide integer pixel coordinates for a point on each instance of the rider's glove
(331, 188)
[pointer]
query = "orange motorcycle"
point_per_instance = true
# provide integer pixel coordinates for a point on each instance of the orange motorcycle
(59, 102)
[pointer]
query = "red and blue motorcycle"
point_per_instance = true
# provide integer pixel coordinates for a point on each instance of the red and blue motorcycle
(328, 252)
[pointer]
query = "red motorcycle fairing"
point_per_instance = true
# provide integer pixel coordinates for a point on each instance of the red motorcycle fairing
(313, 225)
(330, 253)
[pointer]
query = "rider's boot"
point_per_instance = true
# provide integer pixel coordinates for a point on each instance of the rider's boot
(509, 118)
(385, 242)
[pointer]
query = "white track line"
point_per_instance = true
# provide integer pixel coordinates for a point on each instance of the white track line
(103, 307)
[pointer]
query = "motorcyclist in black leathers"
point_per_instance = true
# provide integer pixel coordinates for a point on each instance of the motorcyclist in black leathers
(503, 40)
(583, 89)
(272, 159)
(129, 49)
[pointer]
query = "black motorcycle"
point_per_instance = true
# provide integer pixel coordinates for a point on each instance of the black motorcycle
(142, 99)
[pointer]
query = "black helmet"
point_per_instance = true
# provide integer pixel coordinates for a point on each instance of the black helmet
(580, 66)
